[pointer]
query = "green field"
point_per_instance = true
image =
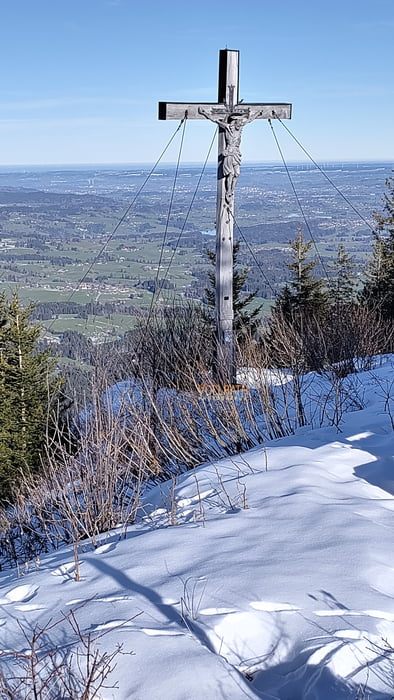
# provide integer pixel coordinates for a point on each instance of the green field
(70, 249)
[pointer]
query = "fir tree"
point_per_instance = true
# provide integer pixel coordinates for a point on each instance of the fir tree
(246, 320)
(385, 221)
(378, 291)
(293, 328)
(28, 390)
(342, 286)
(304, 294)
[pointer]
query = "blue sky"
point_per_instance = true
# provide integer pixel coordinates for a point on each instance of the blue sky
(81, 78)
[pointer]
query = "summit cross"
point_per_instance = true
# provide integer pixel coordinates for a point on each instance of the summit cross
(231, 115)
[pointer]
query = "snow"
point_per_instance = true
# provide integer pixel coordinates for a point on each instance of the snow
(271, 575)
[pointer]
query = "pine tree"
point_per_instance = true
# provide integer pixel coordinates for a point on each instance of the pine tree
(342, 286)
(385, 221)
(28, 391)
(246, 320)
(304, 294)
(292, 336)
(378, 291)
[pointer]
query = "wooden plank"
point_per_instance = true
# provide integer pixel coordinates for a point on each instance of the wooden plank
(266, 111)
(228, 76)
(178, 110)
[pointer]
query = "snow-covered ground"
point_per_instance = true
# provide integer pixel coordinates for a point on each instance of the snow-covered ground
(269, 575)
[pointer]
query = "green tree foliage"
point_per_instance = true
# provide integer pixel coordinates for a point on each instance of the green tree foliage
(293, 330)
(304, 294)
(378, 291)
(312, 327)
(342, 284)
(246, 320)
(29, 389)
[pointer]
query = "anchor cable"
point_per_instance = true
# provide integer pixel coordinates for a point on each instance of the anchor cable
(298, 200)
(157, 286)
(346, 199)
(190, 205)
(268, 283)
(120, 220)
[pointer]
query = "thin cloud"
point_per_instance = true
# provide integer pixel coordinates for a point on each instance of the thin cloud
(62, 122)
(59, 102)
(374, 26)
(356, 91)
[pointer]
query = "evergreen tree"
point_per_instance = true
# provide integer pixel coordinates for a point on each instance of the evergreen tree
(342, 286)
(304, 294)
(28, 391)
(292, 336)
(378, 291)
(246, 321)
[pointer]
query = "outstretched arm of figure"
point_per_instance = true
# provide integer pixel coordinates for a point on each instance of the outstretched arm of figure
(218, 120)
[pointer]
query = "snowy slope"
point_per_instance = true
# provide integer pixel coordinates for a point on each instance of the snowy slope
(269, 575)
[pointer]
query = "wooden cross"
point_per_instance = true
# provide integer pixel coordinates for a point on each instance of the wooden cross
(231, 115)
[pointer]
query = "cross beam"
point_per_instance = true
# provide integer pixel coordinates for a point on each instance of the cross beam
(231, 115)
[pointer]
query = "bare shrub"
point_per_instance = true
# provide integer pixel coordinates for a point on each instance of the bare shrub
(386, 392)
(85, 493)
(175, 346)
(168, 418)
(43, 671)
(336, 395)
(354, 333)
(346, 333)
(191, 598)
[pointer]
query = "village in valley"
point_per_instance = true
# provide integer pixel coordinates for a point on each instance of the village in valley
(44, 255)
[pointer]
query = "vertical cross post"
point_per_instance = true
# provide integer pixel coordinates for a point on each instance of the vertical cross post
(225, 360)
(231, 115)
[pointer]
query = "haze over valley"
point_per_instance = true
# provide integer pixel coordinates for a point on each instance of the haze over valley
(54, 223)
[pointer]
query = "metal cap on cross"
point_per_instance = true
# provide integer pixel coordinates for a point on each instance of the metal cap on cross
(231, 116)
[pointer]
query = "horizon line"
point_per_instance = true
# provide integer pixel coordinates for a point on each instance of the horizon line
(147, 164)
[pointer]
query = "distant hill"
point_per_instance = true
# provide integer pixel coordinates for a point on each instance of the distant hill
(26, 196)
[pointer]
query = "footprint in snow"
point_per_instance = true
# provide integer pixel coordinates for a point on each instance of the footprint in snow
(19, 594)
(349, 634)
(151, 632)
(380, 614)
(104, 548)
(65, 570)
(337, 612)
(76, 601)
(217, 611)
(104, 599)
(267, 606)
(263, 605)
(110, 625)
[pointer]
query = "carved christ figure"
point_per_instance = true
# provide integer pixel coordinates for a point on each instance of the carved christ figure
(232, 125)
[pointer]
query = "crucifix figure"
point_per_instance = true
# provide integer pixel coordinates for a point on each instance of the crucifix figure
(231, 115)
(232, 126)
